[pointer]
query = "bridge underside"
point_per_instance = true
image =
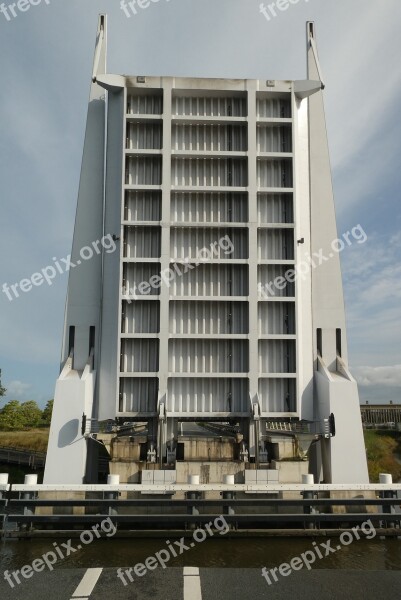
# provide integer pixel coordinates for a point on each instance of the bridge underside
(194, 332)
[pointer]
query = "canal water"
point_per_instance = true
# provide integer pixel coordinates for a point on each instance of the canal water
(218, 552)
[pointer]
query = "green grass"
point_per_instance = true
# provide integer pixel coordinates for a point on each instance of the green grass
(383, 448)
(32, 439)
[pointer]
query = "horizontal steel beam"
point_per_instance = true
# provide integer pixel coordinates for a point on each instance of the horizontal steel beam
(182, 519)
(267, 502)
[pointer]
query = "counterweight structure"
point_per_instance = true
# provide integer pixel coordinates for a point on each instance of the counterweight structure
(212, 192)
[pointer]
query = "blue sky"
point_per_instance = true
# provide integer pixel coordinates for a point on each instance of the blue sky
(46, 58)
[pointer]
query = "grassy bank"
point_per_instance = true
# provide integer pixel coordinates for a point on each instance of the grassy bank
(383, 448)
(32, 439)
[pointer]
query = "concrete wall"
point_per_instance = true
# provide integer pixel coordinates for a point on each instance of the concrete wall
(344, 456)
(290, 471)
(67, 448)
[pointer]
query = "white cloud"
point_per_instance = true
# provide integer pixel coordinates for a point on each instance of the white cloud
(372, 284)
(374, 376)
(372, 273)
(17, 390)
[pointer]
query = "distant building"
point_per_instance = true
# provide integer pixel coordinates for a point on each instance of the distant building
(381, 414)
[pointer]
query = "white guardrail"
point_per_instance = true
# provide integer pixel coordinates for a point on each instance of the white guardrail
(210, 487)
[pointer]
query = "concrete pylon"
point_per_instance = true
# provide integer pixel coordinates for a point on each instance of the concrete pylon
(343, 456)
(75, 387)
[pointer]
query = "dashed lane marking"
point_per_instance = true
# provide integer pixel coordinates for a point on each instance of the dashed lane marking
(192, 584)
(87, 584)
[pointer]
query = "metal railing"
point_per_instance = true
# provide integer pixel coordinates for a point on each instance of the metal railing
(28, 510)
(19, 456)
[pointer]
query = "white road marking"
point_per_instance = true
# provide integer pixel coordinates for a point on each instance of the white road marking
(86, 586)
(192, 584)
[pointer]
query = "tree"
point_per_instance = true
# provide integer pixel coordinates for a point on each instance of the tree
(47, 413)
(2, 390)
(11, 416)
(31, 414)
(16, 416)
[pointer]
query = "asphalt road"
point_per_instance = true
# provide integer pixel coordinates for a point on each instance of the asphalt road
(204, 584)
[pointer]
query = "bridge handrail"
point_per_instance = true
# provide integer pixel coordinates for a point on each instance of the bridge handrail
(184, 487)
(25, 451)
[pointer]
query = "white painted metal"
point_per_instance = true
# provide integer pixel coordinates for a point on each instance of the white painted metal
(140, 316)
(142, 206)
(212, 104)
(275, 208)
(272, 282)
(273, 106)
(139, 355)
(276, 318)
(144, 170)
(209, 318)
(142, 242)
(212, 487)
(138, 395)
(208, 356)
(144, 104)
(274, 173)
(275, 244)
(190, 162)
(208, 207)
(30, 479)
(277, 396)
(274, 138)
(205, 243)
(202, 137)
(144, 136)
(134, 274)
(207, 172)
(208, 395)
(211, 280)
(113, 480)
(277, 356)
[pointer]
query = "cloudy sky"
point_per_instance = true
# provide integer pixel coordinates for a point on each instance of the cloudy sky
(46, 59)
